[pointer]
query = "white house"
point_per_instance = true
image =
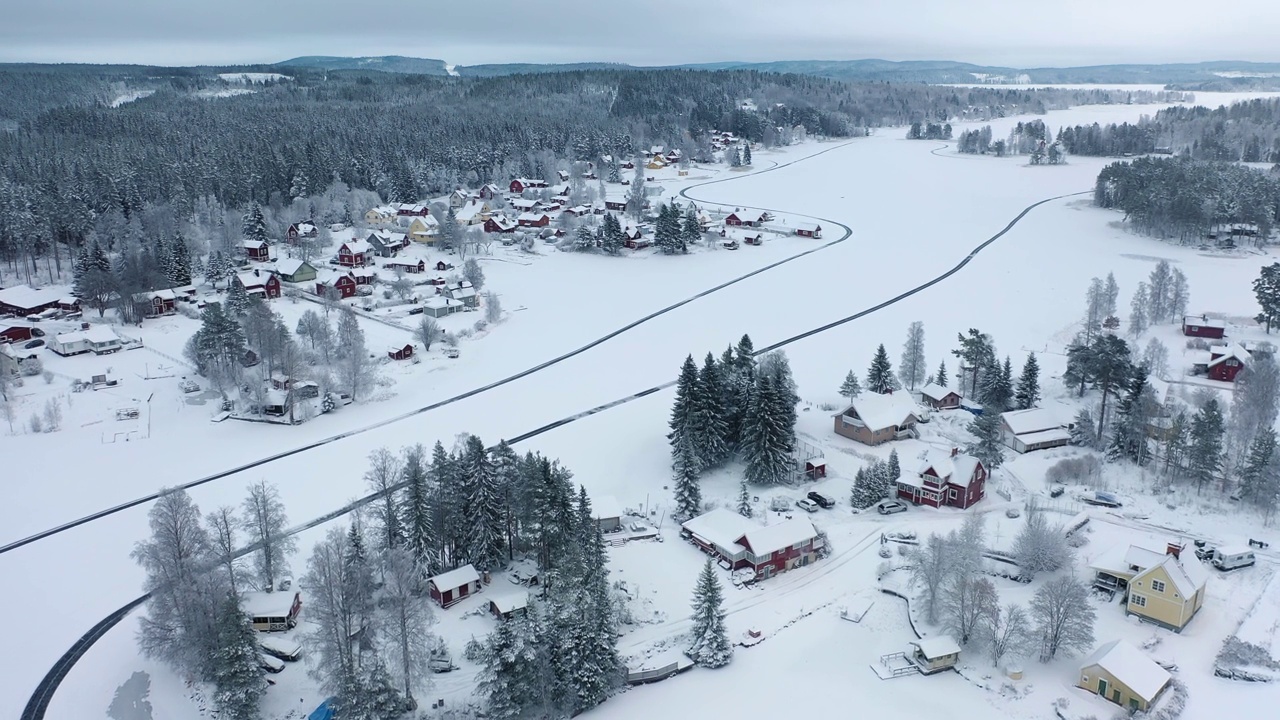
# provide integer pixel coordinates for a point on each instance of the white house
(97, 339)
(1035, 429)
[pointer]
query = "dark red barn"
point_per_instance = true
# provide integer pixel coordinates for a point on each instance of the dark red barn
(454, 586)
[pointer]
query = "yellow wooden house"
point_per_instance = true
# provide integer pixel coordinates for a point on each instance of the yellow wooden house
(424, 230)
(1124, 675)
(1169, 593)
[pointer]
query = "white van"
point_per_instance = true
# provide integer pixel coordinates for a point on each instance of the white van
(1230, 558)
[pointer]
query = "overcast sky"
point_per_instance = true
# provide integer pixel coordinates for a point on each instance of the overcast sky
(1021, 33)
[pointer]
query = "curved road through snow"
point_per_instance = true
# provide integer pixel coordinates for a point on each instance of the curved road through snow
(44, 692)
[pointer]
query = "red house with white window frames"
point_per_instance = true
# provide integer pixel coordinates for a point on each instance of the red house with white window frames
(956, 480)
(344, 284)
(1226, 361)
(742, 543)
(354, 253)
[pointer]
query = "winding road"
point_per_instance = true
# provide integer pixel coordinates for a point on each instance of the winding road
(43, 694)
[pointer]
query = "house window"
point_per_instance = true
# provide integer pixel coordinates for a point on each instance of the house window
(1157, 586)
(1138, 600)
(953, 493)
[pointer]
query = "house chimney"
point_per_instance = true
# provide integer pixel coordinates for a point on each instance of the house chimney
(1173, 549)
(955, 451)
(256, 273)
(84, 326)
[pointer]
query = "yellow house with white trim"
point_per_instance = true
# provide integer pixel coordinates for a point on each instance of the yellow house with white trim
(1168, 594)
(424, 230)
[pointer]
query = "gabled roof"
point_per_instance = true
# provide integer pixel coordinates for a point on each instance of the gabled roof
(96, 334)
(749, 215)
(938, 392)
(1203, 321)
(289, 266)
(511, 601)
(1142, 558)
(781, 536)
(1222, 353)
(1188, 579)
(425, 220)
(253, 244)
(605, 506)
(935, 647)
(1130, 666)
(456, 578)
(440, 301)
(264, 604)
(1022, 422)
(253, 280)
(883, 411)
(808, 227)
(533, 216)
(956, 469)
(719, 527)
(355, 247)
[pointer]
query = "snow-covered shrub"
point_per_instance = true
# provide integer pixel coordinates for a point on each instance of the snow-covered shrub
(31, 367)
(48, 377)
(465, 333)
(1078, 540)
(473, 651)
(904, 549)
(1074, 470)
(328, 404)
(885, 552)
(1197, 344)
(481, 326)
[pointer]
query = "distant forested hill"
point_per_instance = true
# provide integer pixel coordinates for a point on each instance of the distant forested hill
(1245, 131)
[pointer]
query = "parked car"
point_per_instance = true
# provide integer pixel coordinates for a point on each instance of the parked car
(33, 344)
(807, 505)
(1057, 491)
(1012, 513)
(1204, 552)
(1102, 499)
(889, 507)
(822, 500)
(451, 353)
(188, 386)
(279, 647)
(270, 664)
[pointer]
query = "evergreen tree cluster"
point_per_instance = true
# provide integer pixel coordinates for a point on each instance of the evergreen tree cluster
(929, 131)
(875, 481)
(1185, 199)
(1241, 132)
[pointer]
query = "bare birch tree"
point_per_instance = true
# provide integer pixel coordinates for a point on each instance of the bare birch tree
(265, 521)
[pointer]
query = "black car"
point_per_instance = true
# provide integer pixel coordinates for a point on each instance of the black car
(822, 500)
(33, 344)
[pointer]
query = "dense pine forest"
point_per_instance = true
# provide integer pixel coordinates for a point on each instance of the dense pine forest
(1246, 131)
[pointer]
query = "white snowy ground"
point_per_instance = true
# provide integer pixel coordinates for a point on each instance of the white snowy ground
(915, 214)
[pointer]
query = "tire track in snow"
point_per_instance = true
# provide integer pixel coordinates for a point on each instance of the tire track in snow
(44, 692)
(14, 545)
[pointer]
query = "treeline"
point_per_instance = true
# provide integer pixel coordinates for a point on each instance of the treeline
(1247, 131)
(1184, 198)
(1026, 138)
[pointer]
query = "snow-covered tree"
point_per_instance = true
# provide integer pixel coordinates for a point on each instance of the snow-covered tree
(427, 331)
(711, 431)
(872, 484)
(179, 626)
(744, 500)
(264, 520)
(850, 387)
(688, 491)
(1254, 401)
(254, 225)
(968, 599)
(1095, 305)
(237, 680)
(514, 675)
(1008, 631)
(996, 389)
(1041, 546)
(977, 353)
(766, 437)
(1082, 429)
(683, 422)
(708, 640)
(1064, 617)
(416, 516)
(1160, 292)
(1204, 454)
(405, 614)
(1027, 393)
(1140, 311)
(1156, 357)
(930, 570)
(1110, 295)
(355, 372)
(383, 475)
(941, 376)
(1179, 296)
(340, 608)
(1258, 471)
(484, 521)
(911, 369)
(880, 377)
(1129, 429)
(986, 445)
(473, 273)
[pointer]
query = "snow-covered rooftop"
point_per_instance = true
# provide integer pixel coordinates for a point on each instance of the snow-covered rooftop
(781, 536)
(289, 266)
(1187, 578)
(509, 601)
(268, 604)
(1034, 420)
(1203, 321)
(934, 391)
(252, 279)
(26, 297)
(1223, 353)
(1130, 666)
(808, 227)
(355, 247)
(440, 301)
(751, 216)
(720, 527)
(456, 578)
(1042, 436)
(883, 411)
(96, 334)
(605, 506)
(936, 647)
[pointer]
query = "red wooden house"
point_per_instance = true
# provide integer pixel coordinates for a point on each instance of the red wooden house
(354, 253)
(749, 218)
(14, 333)
(1202, 326)
(298, 231)
(400, 352)
(742, 543)
(633, 240)
(534, 219)
(412, 210)
(615, 205)
(519, 185)
(1226, 361)
(256, 282)
(957, 480)
(161, 302)
(499, 224)
(256, 250)
(344, 284)
(809, 230)
(939, 397)
(454, 586)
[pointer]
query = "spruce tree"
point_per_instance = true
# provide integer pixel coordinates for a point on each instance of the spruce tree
(1258, 471)
(688, 492)
(1205, 452)
(880, 375)
(233, 667)
(483, 512)
(850, 387)
(1028, 392)
(513, 666)
(746, 153)
(416, 508)
(711, 432)
(996, 389)
(683, 423)
(178, 262)
(744, 500)
(1082, 429)
(766, 440)
(709, 641)
(987, 446)
(691, 230)
(894, 466)
(237, 300)
(1128, 430)
(254, 225)
(941, 378)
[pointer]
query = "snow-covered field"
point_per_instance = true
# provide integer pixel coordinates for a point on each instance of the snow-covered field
(915, 213)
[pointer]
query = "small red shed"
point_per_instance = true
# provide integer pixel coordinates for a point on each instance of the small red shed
(400, 352)
(1203, 326)
(454, 586)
